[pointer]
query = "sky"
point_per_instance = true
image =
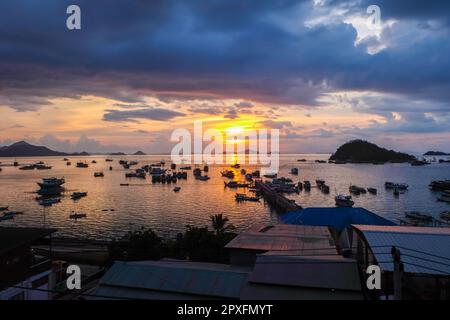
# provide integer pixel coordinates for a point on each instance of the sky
(137, 70)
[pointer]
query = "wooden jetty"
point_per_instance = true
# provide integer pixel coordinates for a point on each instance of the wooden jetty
(279, 201)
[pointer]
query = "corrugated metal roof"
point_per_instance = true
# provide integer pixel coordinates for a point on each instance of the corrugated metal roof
(338, 218)
(327, 272)
(176, 277)
(423, 250)
(285, 238)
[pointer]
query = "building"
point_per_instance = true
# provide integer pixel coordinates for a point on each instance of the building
(424, 254)
(24, 275)
(280, 239)
(267, 263)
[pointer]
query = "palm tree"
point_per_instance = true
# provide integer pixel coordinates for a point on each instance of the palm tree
(219, 223)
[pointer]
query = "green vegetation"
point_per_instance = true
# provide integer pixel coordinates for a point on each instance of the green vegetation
(195, 244)
(436, 153)
(360, 151)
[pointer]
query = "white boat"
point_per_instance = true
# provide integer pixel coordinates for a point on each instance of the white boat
(344, 201)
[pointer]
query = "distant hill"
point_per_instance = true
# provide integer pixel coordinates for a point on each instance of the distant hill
(139, 153)
(24, 149)
(360, 151)
(436, 153)
(117, 154)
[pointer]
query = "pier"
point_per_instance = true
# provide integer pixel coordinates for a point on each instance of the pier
(279, 201)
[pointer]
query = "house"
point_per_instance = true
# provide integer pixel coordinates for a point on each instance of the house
(279, 239)
(24, 275)
(423, 252)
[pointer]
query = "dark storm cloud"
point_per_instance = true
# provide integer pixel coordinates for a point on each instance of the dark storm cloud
(214, 49)
(158, 114)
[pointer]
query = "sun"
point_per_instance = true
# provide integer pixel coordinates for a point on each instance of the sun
(234, 130)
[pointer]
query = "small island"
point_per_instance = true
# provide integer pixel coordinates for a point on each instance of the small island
(139, 153)
(360, 151)
(436, 153)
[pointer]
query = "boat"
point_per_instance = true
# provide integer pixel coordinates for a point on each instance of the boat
(294, 171)
(440, 185)
(244, 197)
(82, 165)
(235, 184)
(372, 190)
(93, 161)
(321, 161)
(78, 195)
(99, 174)
(65, 159)
(77, 216)
(344, 201)
(27, 167)
(243, 172)
(206, 168)
(69, 163)
(109, 160)
(355, 190)
(270, 176)
(415, 215)
(186, 168)
(307, 185)
(12, 213)
(48, 183)
(396, 192)
(249, 177)
(393, 185)
(236, 166)
(173, 166)
(320, 182)
(301, 160)
(256, 174)
(228, 174)
(202, 178)
(197, 172)
(176, 189)
(42, 167)
(445, 196)
(3, 208)
(324, 188)
(445, 215)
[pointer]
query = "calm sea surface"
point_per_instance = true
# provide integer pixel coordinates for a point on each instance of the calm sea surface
(113, 209)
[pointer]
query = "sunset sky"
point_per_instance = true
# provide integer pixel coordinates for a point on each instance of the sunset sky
(137, 70)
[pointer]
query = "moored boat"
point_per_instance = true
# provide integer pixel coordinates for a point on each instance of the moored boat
(244, 197)
(393, 185)
(77, 215)
(78, 195)
(415, 215)
(98, 174)
(344, 201)
(48, 183)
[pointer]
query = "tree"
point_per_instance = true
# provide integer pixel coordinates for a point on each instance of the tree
(219, 224)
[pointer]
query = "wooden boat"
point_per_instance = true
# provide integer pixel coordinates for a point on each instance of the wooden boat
(78, 195)
(235, 184)
(393, 185)
(98, 174)
(3, 208)
(294, 171)
(372, 190)
(176, 189)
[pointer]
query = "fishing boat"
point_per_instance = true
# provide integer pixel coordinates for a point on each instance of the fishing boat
(186, 168)
(415, 215)
(249, 177)
(320, 182)
(3, 208)
(256, 174)
(344, 201)
(176, 189)
(65, 159)
(48, 183)
(93, 161)
(109, 160)
(243, 172)
(301, 160)
(77, 216)
(197, 172)
(98, 174)
(78, 195)
(356, 190)
(294, 171)
(82, 165)
(393, 185)
(236, 166)
(244, 197)
(372, 190)
(69, 163)
(270, 176)
(325, 189)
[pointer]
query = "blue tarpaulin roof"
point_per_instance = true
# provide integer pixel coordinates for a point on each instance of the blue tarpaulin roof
(338, 218)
